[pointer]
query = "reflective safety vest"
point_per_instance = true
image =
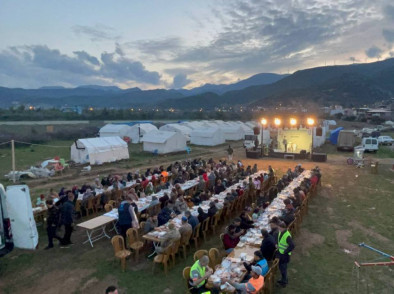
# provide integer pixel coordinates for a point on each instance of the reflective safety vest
(282, 242)
(201, 270)
(256, 283)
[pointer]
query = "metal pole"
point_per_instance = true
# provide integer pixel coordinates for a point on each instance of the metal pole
(373, 249)
(262, 140)
(13, 160)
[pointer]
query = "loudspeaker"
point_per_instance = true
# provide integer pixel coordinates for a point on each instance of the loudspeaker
(319, 157)
(319, 131)
(256, 130)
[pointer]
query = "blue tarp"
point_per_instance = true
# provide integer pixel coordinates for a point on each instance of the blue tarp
(132, 123)
(334, 135)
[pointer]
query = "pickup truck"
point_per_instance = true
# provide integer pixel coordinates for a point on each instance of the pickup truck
(385, 140)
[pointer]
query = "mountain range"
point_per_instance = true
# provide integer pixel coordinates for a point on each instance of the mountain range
(349, 85)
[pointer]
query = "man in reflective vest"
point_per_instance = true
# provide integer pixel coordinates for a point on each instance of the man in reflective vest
(253, 285)
(199, 273)
(285, 246)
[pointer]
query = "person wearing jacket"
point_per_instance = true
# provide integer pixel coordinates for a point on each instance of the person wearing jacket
(52, 222)
(67, 219)
(285, 246)
(127, 216)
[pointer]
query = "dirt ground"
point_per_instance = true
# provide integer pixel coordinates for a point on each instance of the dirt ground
(329, 235)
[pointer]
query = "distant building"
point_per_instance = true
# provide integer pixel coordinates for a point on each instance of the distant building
(383, 113)
(76, 109)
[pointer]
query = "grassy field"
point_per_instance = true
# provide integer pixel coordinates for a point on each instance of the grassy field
(353, 206)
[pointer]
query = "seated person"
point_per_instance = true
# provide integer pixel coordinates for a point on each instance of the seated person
(230, 239)
(180, 205)
(212, 209)
(246, 222)
(150, 224)
(171, 236)
(253, 285)
(199, 274)
(288, 216)
(268, 245)
(164, 216)
(191, 219)
(258, 260)
(201, 215)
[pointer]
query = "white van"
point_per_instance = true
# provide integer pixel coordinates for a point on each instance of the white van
(370, 144)
(6, 242)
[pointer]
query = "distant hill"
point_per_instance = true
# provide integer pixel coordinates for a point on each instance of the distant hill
(349, 85)
(355, 84)
(258, 79)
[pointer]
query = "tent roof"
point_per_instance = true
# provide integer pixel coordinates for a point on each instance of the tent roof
(205, 132)
(113, 128)
(102, 142)
(158, 136)
(179, 127)
(146, 127)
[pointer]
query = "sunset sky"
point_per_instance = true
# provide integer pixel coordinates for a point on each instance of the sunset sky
(175, 44)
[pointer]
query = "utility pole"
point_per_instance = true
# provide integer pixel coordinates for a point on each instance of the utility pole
(13, 160)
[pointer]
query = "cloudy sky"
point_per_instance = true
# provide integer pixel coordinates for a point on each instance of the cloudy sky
(180, 43)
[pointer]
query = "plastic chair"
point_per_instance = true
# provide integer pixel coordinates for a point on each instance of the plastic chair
(214, 257)
(221, 239)
(108, 207)
(205, 228)
(77, 208)
(186, 277)
(185, 239)
(133, 240)
(162, 258)
(174, 250)
(215, 221)
(112, 203)
(200, 253)
(64, 163)
(120, 251)
(196, 235)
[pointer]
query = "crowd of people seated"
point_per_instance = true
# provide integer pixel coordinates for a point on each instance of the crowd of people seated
(214, 177)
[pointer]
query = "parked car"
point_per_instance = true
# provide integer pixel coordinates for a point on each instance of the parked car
(370, 144)
(385, 140)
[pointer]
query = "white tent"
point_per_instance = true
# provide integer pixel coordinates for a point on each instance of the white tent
(183, 129)
(247, 130)
(232, 131)
(111, 130)
(138, 131)
(164, 142)
(99, 150)
(207, 136)
(193, 124)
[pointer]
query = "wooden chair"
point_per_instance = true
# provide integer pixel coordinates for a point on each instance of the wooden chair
(214, 257)
(186, 277)
(185, 240)
(142, 229)
(200, 253)
(108, 207)
(196, 235)
(162, 258)
(292, 228)
(205, 228)
(120, 251)
(174, 250)
(77, 208)
(90, 206)
(221, 240)
(133, 241)
(112, 203)
(215, 221)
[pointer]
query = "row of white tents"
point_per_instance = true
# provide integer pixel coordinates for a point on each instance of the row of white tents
(173, 137)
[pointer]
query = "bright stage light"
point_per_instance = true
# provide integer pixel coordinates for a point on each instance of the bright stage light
(293, 122)
(263, 121)
(310, 121)
(277, 122)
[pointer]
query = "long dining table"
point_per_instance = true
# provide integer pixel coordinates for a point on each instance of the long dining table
(232, 266)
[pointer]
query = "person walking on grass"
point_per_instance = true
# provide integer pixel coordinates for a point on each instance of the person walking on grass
(52, 223)
(230, 152)
(285, 246)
